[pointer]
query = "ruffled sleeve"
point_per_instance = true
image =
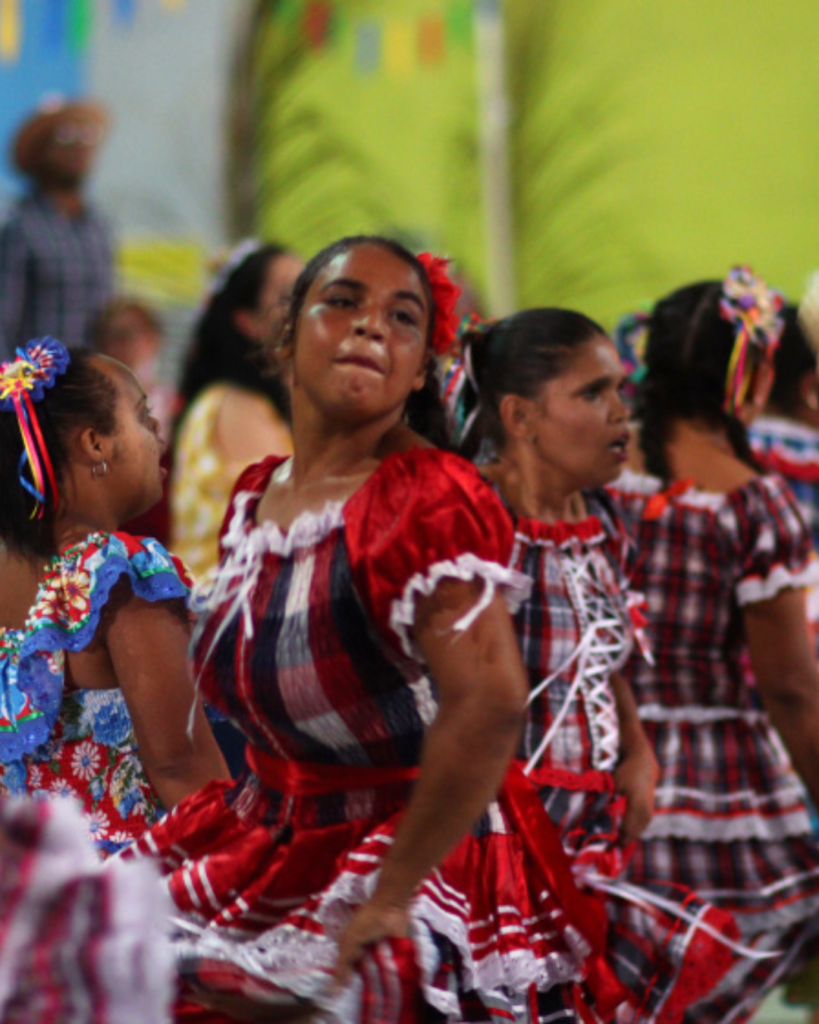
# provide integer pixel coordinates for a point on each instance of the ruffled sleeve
(776, 548)
(78, 583)
(424, 516)
(64, 617)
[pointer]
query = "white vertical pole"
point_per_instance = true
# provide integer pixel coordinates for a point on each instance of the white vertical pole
(493, 131)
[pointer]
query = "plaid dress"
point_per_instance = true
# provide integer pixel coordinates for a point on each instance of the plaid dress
(731, 819)
(306, 642)
(77, 944)
(578, 626)
(58, 741)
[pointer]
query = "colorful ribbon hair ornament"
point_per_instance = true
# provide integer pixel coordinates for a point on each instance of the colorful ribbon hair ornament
(22, 383)
(630, 338)
(753, 309)
(445, 297)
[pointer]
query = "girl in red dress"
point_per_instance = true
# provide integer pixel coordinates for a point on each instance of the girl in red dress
(358, 632)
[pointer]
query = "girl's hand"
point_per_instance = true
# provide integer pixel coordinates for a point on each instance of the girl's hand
(369, 924)
(635, 778)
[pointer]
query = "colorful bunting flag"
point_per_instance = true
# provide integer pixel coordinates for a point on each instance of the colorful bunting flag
(431, 40)
(81, 21)
(125, 12)
(317, 23)
(11, 31)
(368, 47)
(459, 21)
(54, 24)
(398, 47)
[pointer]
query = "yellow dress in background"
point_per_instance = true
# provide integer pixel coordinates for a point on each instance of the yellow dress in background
(203, 478)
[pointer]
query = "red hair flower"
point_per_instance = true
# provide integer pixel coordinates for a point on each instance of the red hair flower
(445, 297)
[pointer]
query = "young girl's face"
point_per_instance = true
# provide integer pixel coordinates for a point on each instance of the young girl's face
(361, 340)
(579, 420)
(134, 471)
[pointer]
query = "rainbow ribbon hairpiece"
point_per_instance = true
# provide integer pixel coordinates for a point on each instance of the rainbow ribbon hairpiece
(753, 309)
(22, 383)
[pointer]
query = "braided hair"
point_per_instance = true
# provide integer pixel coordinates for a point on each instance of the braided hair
(513, 356)
(794, 358)
(687, 356)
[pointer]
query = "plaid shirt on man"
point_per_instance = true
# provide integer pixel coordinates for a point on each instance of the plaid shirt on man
(56, 272)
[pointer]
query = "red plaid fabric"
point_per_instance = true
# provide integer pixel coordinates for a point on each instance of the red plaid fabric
(580, 594)
(306, 642)
(732, 821)
(77, 944)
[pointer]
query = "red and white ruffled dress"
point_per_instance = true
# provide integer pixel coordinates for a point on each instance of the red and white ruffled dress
(579, 625)
(77, 942)
(731, 819)
(307, 644)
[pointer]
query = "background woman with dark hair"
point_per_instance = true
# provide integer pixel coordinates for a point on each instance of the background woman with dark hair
(235, 410)
(785, 439)
(724, 562)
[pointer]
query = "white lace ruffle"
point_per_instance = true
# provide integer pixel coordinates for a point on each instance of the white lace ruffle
(749, 591)
(307, 529)
(699, 715)
(515, 586)
(746, 825)
(299, 961)
(630, 482)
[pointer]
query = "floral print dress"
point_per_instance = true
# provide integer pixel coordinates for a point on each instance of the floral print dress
(56, 741)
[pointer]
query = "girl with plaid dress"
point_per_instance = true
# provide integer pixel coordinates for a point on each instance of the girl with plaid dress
(381, 861)
(538, 394)
(731, 703)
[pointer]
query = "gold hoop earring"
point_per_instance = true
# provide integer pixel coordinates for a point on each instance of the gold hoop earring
(99, 470)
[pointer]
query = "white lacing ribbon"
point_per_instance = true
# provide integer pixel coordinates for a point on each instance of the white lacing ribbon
(647, 900)
(234, 582)
(595, 655)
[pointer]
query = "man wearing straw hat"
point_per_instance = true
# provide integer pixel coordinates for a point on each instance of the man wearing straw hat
(56, 253)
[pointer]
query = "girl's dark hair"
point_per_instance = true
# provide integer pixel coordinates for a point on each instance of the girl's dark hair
(81, 397)
(515, 356)
(219, 351)
(424, 412)
(794, 358)
(687, 355)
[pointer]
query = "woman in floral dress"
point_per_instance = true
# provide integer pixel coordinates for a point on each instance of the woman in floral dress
(381, 862)
(94, 693)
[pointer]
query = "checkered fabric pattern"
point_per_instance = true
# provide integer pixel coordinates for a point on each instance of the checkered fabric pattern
(580, 573)
(731, 818)
(579, 592)
(306, 643)
(791, 450)
(77, 945)
(56, 273)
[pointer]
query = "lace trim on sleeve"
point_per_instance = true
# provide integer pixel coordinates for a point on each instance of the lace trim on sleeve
(515, 586)
(755, 588)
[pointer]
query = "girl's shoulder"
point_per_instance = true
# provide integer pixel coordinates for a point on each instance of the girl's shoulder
(77, 583)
